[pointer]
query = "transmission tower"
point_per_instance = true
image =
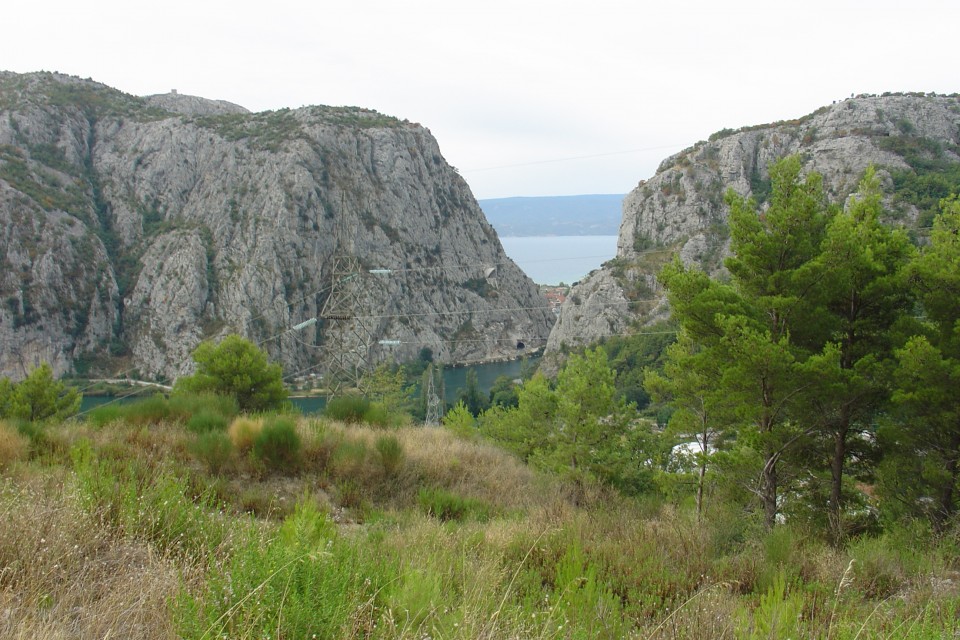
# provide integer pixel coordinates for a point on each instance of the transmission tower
(432, 417)
(348, 332)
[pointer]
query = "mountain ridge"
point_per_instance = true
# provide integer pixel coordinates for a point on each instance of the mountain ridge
(134, 228)
(912, 139)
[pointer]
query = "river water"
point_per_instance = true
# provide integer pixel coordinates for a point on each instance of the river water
(546, 259)
(454, 378)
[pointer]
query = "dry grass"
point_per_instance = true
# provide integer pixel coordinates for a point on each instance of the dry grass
(65, 576)
(243, 431)
(13, 446)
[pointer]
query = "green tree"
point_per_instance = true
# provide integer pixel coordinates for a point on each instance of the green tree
(923, 461)
(236, 367)
(40, 397)
(504, 392)
(6, 392)
(585, 433)
(690, 382)
(524, 428)
(865, 294)
(387, 386)
(471, 396)
(761, 325)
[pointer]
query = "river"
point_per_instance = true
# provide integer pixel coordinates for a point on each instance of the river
(454, 378)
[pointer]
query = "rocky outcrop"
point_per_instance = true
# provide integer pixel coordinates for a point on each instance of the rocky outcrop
(681, 209)
(134, 228)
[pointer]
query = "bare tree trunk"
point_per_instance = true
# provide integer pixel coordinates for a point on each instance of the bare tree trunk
(768, 491)
(836, 485)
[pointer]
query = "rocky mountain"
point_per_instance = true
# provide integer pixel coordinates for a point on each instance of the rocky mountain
(133, 228)
(913, 140)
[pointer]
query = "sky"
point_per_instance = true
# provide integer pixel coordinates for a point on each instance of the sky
(526, 98)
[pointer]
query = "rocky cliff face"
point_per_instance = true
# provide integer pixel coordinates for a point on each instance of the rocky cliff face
(133, 228)
(681, 208)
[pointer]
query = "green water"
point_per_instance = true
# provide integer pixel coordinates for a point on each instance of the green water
(454, 378)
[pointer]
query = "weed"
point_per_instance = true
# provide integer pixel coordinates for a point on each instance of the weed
(13, 445)
(390, 452)
(214, 449)
(349, 409)
(448, 506)
(278, 445)
(243, 432)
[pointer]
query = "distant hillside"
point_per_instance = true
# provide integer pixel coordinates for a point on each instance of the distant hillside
(912, 139)
(131, 229)
(590, 215)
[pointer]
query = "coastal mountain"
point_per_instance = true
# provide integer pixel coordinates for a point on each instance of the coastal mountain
(134, 228)
(586, 215)
(912, 139)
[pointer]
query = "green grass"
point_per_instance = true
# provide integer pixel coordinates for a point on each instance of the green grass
(161, 532)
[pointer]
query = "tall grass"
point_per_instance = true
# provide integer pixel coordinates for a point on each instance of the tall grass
(416, 533)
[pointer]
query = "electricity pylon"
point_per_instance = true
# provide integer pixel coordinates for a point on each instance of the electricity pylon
(432, 417)
(347, 331)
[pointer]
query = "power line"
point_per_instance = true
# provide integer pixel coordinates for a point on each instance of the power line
(572, 158)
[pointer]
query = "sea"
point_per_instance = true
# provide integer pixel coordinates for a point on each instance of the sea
(559, 259)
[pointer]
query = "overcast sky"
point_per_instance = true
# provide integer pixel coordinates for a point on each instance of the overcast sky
(526, 98)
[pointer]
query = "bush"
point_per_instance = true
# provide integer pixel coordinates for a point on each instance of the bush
(39, 397)
(243, 432)
(152, 410)
(104, 415)
(278, 444)
(207, 421)
(391, 453)
(214, 449)
(13, 445)
(349, 409)
(183, 406)
(448, 506)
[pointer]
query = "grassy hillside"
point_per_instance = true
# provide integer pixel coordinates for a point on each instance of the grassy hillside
(154, 523)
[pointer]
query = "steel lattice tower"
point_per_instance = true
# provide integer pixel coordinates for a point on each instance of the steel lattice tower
(432, 417)
(347, 331)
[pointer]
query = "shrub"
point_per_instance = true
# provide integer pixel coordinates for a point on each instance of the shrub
(349, 409)
(349, 459)
(152, 410)
(320, 444)
(391, 453)
(214, 449)
(243, 432)
(13, 445)
(278, 444)
(448, 506)
(206, 421)
(105, 414)
(184, 406)
(380, 416)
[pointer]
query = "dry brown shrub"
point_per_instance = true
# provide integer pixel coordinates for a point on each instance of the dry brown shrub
(13, 446)
(243, 431)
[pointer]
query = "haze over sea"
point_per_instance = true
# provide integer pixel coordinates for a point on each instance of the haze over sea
(556, 259)
(557, 239)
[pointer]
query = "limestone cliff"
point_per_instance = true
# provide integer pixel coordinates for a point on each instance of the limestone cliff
(681, 208)
(133, 228)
